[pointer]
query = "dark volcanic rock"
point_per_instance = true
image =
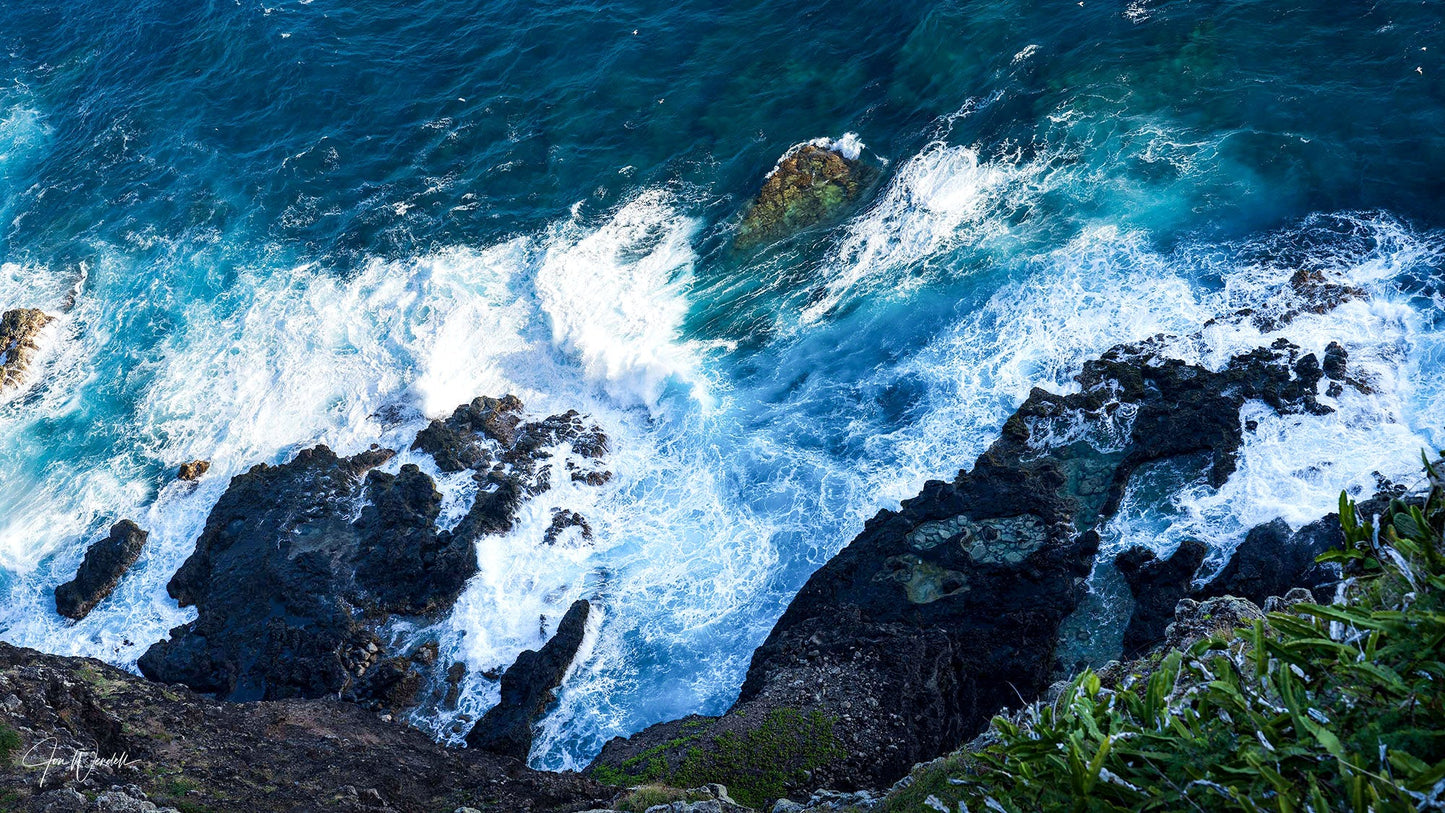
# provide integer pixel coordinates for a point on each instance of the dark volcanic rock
(508, 456)
(193, 470)
(18, 329)
(194, 753)
(527, 689)
(1157, 587)
(810, 185)
(563, 519)
(291, 583)
(1270, 562)
(405, 565)
(271, 577)
(105, 562)
(940, 614)
(1272, 559)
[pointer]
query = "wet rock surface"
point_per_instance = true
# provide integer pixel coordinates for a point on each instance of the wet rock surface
(1272, 561)
(940, 614)
(301, 563)
(101, 570)
(1157, 586)
(138, 743)
(507, 456)
(19, 330)
(528, 688)
(811, 184)
(193, 470)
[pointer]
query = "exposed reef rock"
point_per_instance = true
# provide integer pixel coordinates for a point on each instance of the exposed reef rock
(1157, 586)
(272, 578)
(193, 470)
(508, 457)
(810, 185)
(528, 688)
(18, 331)
(78, 735)
(300, 564)
(1272, 561)
(105, 562)
(943, 612)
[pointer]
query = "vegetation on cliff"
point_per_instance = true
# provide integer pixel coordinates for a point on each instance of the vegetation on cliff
(1316, 707)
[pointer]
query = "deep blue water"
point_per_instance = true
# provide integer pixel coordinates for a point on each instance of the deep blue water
(322, 221)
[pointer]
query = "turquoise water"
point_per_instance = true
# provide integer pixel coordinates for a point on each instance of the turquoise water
(324, 221)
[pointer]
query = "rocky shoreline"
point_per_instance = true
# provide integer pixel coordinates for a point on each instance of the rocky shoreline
(894, 653)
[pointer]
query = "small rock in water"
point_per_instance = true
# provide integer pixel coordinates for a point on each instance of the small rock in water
(99, 573)
(810, 185)
(18, 331)
(193, 470)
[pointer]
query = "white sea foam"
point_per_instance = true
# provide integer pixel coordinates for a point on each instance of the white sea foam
(295, 356)
(942, 198)
(614, 297)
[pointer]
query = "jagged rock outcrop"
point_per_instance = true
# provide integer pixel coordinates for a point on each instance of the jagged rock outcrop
(193, 470)
(941, 613)
(101, 569)
(528, 688)
(506, 455)
(271, 579)
(83, 730)
(1272, 560)
(1157, 586)
(812, 184)
(291, 583)
(18, 331)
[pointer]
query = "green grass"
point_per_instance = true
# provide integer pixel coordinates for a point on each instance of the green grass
(9, 744)
(1320, 708)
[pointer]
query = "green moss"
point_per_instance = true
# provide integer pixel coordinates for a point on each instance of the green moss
(1319, 707)
(760, 765)
(178, 787)
(648, 766)
(757, 766)
(9, 744)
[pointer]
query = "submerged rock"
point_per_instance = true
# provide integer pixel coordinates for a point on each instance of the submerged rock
(940, 614)
(812, 184)
(193, 470)
(528, 688)
(18, 331)
(105, 562)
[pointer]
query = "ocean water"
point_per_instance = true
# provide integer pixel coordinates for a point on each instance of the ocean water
(266, 226)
